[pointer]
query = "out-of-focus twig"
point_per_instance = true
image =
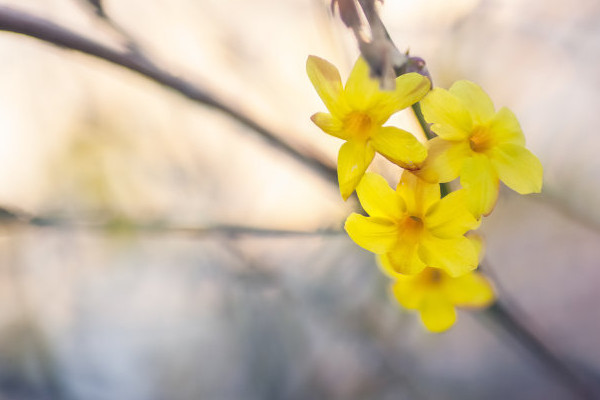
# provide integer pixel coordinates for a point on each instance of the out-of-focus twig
(96, 7)
(16, 21)
(504, 315)
(374, 41)
(10, 217)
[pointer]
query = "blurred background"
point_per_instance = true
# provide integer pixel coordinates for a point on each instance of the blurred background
(111, 286)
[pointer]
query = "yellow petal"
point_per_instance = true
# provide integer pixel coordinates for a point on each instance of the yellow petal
(326, 80)
(377, 235)
(475, 100)
(329, 124)
(450, 119)
(409, 294)
(403, 258)
(477, 242)
(444, 160)
(506, 128)
(417, 194)
(410, 88)
(437, 313)
(450, 217)
(480, 179)
(361, 90)
(378, 198)
(470, 290)
(399, 146)
(353, 159)
(518, 168)
(456, 256)
(384, 264)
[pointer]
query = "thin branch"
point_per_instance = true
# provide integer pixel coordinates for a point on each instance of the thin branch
(499, 314)
(12, 20)
(504, 315)
(374, 42)
(445, 188)
(11, 217)
(509, 316)
(96, 8)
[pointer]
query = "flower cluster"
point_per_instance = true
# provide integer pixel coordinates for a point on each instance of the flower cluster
(422, 240)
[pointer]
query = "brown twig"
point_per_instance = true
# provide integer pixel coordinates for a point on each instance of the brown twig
(504, 315)
(15, 217)
(16, 21)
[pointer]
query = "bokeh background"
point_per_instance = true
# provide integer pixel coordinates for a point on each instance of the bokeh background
(116, 292)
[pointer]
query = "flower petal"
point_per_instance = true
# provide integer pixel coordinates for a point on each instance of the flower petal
(378, 198)
(329, 124)
(384, 264)
(444, 160)
(361, 90)
(399, 146)
(450, 217)
(417, 194)
(450, 118)
(475, 100)
(477, 242)
(437, 313)
(480, 179)
(506, 128)
(326, 80)
(408, 293)
(403, 258)
(456, 256)
(378, 235)
(470, 290)
(353, 159)
(518, 168)
(410, 88)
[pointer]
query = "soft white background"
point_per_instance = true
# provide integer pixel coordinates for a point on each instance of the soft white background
(88, 314)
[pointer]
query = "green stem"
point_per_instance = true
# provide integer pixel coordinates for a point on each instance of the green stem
(445, 188)
(424, 125)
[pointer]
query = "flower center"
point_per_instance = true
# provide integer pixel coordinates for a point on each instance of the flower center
(415, 219)
(411, 229)
(480, 140)
(359, 124)
(431, 277)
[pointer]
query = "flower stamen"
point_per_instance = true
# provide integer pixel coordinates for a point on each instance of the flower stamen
(412, 226)
(481, 140)
(433, 276)
(359, 124)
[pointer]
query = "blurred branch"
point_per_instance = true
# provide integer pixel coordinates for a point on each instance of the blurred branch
(10, 217)
(374, 42)
(509, 316)
(505, 315)
(96, 8)
(12, 20)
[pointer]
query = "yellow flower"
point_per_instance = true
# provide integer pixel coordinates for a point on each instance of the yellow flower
(357, 113)
(478, 144)
(435, 294)
(412, 227)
